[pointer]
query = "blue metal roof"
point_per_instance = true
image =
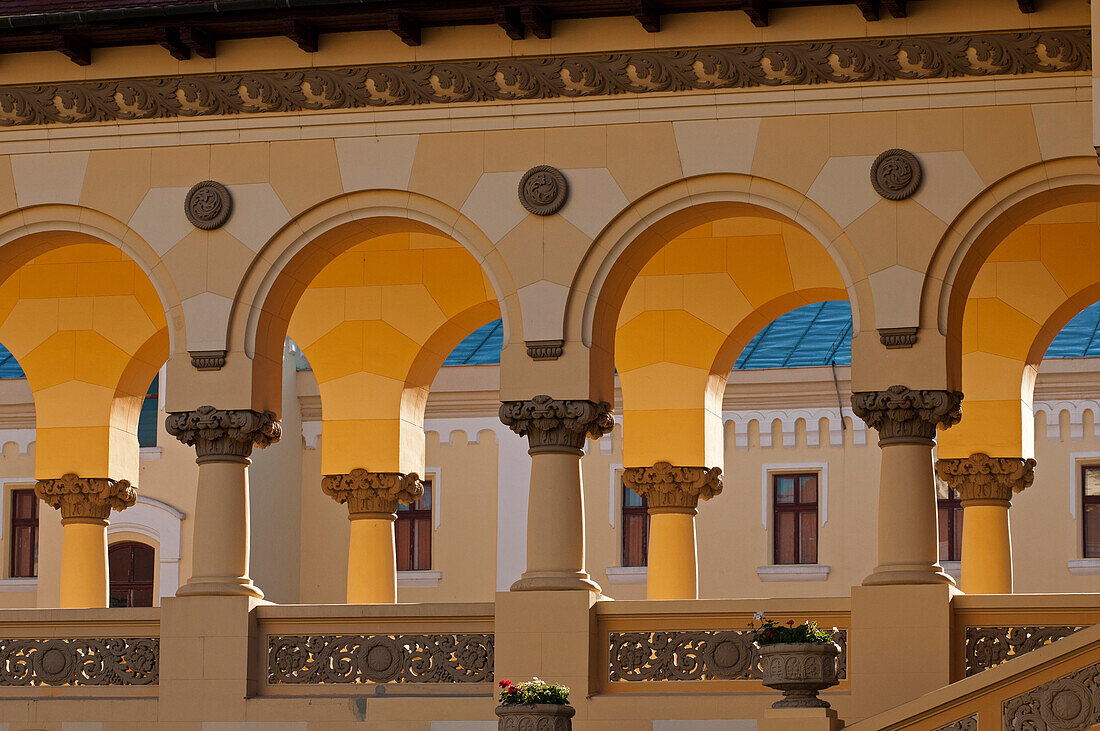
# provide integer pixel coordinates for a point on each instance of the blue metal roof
(481, 347)
(9, 366)
(1080, 338)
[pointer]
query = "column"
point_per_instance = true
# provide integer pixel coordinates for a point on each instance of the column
(906, 420)
(673, 494)
(372, 499)
(556, 431)
(223, 442)
(85, 504)
(985, 485)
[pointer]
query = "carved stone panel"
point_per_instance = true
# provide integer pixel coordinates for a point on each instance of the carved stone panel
(896, 174)
(208, 204)
(693, 655)
(95, 661)
(1069, 703)
(988, 647)
(543, 190)
(356, 659)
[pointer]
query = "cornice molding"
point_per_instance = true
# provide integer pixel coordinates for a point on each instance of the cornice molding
(549, 77)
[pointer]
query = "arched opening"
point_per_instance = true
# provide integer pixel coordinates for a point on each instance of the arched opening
(132, 568)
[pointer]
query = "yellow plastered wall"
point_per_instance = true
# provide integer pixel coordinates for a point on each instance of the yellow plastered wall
(375, 324)
(687, 316)
(87, 327)
(1030, 286)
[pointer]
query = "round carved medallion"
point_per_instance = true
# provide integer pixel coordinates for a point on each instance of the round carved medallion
(208, 204)
(543, 190)
(896, 174)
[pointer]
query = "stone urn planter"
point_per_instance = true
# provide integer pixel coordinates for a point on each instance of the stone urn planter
(800, 670)
(535, 717)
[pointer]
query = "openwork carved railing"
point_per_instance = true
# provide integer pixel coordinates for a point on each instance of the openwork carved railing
(1067, 703)
(987, 647)
(970, 723)
(692, 655)
(110, 661)
(378, 658)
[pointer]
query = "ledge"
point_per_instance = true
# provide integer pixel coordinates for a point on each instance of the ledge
(18, 585)
(147, 454)
(419, 579)
(794, 572)
(1084, 566)
(627, 574)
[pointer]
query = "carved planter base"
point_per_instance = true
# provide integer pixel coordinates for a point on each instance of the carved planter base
(537, 717)
(800, 670)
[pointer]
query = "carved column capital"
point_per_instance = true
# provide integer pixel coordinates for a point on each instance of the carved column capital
(224, 432)
(904, 415)
(668, 486)
(373, 492)
(85, 498)
(549, 422)
(980, 477)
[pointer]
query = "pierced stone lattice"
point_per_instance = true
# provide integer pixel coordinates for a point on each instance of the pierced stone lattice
(697, 655)
(1068, 703)
(110, 661)
(987, 647)
(970, 723)
(325, 659)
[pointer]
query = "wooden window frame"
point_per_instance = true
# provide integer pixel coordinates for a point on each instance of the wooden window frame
(15, 523)
(406, 513)
(626, 510)
(954, 542)
(798, 508)
(130, 586)
(1086, 500)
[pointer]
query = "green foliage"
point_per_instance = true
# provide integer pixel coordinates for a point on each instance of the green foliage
(770, 632)
(532, 692)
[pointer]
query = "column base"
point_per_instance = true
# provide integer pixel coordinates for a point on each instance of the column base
(556, 581)
(220, 586)
(908, 573)
(801, 719)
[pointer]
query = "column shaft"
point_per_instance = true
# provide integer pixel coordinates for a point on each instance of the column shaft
(372, 561)
(84, 578)
(673, 571)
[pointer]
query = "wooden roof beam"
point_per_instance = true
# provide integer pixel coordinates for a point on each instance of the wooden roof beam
(198, 40)
(869, 8)
(1026, 6)
(73, 48)
(508, 18)
(647, 14)
(757, 10)
(169, 39)
(537, 20)
(301, 33)
(896, 7)
(405, 27)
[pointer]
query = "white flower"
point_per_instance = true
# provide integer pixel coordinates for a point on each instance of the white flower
(758, 616)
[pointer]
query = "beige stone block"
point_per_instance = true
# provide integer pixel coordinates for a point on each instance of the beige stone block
(160, 219)
(207, 321)
(865, 133)
(716, 146)
(376, 162)
(179, 166)
(240, 163)
(897, 291)
(1062, 130)
(1000, 140)
(543, 306)
(919, 233)
(461, 154)
(257, 214)
(304, 173)
(949, 182)
(576, 147)
(49, 177)
(843, 188)
(116, 181)
(642, 157)
(514, 150)
(595, 198)
(493, 205)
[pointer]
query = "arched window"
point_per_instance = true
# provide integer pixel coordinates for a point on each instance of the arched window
(131, 567)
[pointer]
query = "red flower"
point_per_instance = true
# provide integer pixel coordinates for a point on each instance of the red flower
(505, 683)
(790, 622)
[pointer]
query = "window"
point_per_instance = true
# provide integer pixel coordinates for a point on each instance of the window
(635, 528)
(131, 566)
(147, 419)
(414, 533)
(24, 534)
(1090, 509)
(949, 514)
(795, 506)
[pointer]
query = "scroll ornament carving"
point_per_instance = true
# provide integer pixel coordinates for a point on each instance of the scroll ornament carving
(224, 432)
(970, 723)
(981, 477)
(693, 655)
(896, 174)
(373, 492)
(549, 422)
(902, 413)
(669, 486)
(543, 190)
(325, 659)
(92, 661)
(208, 205)
(90, 498)
(1068, 703)
(858, 60)
(988, 647)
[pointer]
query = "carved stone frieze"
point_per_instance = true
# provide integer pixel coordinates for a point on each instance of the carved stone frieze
(543, 190)
(970, 723)
(208, 204)
(669, 486)
(693, 655)
(550, 422)
(900, 413)
(896, 174)
(224, 432)
(988, 647)
(84, 661)
(373, 492)
(894, 338)
(90, 498)
(207, 360)
(330, 659)
(1068, 703)
(981, 477)
(857, 60)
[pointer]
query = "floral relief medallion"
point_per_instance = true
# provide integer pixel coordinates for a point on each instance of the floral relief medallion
(543, 190)
(208, 204)
(896, 174)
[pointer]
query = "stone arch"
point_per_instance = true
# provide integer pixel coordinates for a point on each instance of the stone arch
(290, 260)
(633, 236)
